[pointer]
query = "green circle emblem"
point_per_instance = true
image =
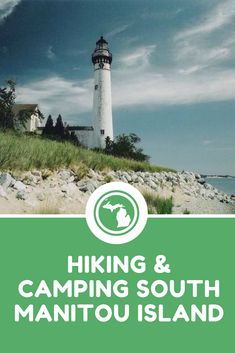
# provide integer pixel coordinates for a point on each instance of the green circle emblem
(116, 212)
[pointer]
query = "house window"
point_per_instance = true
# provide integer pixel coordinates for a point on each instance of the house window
(102, 132)
(96, 87)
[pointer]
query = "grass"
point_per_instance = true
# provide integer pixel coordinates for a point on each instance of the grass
(48, 210)
(186, 211)
(23, 153)
(157, 204)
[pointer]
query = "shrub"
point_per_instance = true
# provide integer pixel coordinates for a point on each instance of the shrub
(157, 204)
(125, 146)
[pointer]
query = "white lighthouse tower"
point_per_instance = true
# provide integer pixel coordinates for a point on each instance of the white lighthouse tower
(102, 101)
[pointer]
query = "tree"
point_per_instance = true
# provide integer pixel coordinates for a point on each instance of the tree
(7, 101)
(49, 127)
(125, 146)
(59, 127)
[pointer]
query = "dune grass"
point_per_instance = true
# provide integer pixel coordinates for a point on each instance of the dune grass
(157, 204)
(23, 152)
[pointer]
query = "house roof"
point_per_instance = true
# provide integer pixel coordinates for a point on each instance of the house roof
(24, 107)
(80, 128)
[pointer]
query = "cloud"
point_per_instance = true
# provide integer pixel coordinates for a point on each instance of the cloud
(117, 31)
(207, 142)
(138, 57)
(223, 14)
(73, 98)
(198, 56)
(7, 7)
(50, 53)
(199, 47)
(153, 89)
(56, 95)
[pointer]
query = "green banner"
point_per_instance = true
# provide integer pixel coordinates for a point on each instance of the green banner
(162, 291)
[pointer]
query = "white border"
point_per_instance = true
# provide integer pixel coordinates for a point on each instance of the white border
(2, 216)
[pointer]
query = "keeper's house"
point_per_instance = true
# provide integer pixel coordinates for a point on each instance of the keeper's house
(30, 114)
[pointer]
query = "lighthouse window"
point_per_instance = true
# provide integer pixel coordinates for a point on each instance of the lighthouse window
(102, 132)
(96, 87)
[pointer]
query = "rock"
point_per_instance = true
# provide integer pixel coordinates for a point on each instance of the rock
(41, 196)
(89, 186)
(30, 179)
(152, 185)
(123, 179)
(83, 188)
(19, 186)
(127, 177)
(201, 181)
(3, 193)
(37, 173)
(64, 174)
(6, 180)
(175, 183)
(69, 189)
(140, 180)
(21, 195)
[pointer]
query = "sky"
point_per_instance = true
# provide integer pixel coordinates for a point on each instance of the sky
(173, 71)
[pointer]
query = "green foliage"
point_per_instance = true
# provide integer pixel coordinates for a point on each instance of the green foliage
(125, 146)
(186, 211)
(108, 178)
(22, 152)
(59, 129)
(157, 204)
(59, 132)
(49, 127)
(7, 101)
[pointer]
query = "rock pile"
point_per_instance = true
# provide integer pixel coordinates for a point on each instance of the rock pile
(35, 187)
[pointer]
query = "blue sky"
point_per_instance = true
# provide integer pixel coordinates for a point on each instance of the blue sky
(173, 73)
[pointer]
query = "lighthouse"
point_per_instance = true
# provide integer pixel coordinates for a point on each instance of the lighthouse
(102, 99)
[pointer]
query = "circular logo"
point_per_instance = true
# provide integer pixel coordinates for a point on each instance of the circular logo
(116, 213)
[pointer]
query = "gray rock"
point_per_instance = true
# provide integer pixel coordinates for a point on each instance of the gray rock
(152, 185)
(19, 186)
(140, 180)
(64, 174)
(21, 195)
(201, 181)
(88, 186)
(3, 193)
(6, 180)
(127, 177)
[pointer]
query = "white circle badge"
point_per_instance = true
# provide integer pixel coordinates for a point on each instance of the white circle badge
(116, 213)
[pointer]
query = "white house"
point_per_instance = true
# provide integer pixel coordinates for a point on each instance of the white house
(33, 115)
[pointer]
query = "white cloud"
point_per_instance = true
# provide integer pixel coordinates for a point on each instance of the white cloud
(199, 47)
(117, 31)
(7, 7)
(151, 89)
(197, 56)
(57, 95)
(139, 57)
(50, 53)
(223, 14)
